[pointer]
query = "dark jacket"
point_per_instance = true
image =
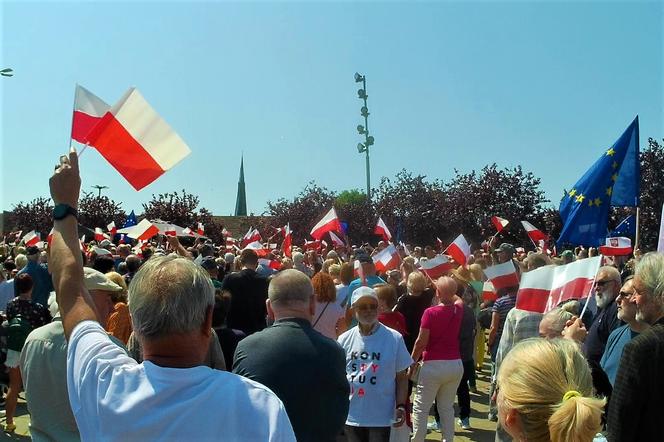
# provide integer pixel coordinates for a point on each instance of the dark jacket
(248, 291)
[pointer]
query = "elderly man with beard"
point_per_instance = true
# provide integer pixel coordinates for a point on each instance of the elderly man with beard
(376, 367)
(622, 335)
(607, 287)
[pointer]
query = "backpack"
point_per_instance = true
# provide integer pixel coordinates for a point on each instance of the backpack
(17, 332)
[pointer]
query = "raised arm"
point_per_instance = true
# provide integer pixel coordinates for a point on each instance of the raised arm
(66, 262)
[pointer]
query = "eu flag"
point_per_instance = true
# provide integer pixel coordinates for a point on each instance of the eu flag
(612, 181)
(130, 221)
(627, 227)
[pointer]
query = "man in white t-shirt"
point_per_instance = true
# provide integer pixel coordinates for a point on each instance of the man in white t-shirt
(376, 365)
(170, 396)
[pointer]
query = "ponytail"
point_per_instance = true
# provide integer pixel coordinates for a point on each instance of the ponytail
(576, 419)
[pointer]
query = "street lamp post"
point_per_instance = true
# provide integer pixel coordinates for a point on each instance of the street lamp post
(99, 188)
(364, 130)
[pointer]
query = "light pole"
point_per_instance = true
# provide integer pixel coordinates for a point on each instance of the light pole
(364, 130)
(99, 188)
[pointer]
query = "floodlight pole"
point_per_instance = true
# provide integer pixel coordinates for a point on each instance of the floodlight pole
(368, 140)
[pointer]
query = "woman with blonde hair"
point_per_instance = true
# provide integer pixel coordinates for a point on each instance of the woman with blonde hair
(119, 321)
(412, 305)
(545, 393)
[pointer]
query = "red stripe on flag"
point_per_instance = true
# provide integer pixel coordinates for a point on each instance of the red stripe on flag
(124, 153)
(533, 300)
(82, 125)
(502, 281)
(575, 289)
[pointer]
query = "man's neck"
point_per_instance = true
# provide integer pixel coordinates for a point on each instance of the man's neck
(175, 351)
(289, 314)
(368, 329)
(637, 326)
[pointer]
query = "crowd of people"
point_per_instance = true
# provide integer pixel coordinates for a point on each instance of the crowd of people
(201, 343)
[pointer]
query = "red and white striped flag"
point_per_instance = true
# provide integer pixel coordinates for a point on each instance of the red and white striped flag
(386, 259)
(459, 250)
(30, 239)
(187, 231)
(330, 222)
(111, 228)
(489, 292)
(141, 231)
(288, 241)
(382, 230)
(499, 222)
(312, 245)
(252, 235)
(169, 230)
(88, 112)
(502, 275)
(257, 247)
(436, 267)
(137, 141)
(336, 240)
(201, 229)
(270, 263)
(533, 232)
(619, 246)
(544, 288)
(100, 235)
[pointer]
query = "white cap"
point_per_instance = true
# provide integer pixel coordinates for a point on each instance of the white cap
(363, 292)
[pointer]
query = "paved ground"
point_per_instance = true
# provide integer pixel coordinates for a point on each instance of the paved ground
(482, 429)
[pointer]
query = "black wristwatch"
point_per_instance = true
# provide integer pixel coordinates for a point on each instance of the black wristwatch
(62, 211)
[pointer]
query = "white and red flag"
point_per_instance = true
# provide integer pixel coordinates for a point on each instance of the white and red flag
(31, 238)
(330, 222)
(99, 234)
(436, 267)
(169, 230)
(257, 247)
(270, 263)
(141, 231)
(534, 233)
(187, 231)
(287, 245)
(544, 288)
(137, 141)
(111, 228)
(618, 246)
(335, 239)
(386, 259)
(201, 229)
(489, 292)
(312, 245)
(382, 230)
(49, 238)
(88, 111)
(502, 275)
(499, 222)
(459, 250)
(252, 235)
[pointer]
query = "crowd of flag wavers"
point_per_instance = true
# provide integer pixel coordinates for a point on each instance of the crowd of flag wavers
(131, 335)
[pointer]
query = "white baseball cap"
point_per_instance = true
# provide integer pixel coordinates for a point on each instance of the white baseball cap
(363, 292)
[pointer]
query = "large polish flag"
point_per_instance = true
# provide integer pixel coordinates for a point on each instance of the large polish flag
(533, 232)
(88, 111)
(335, 239)
(288, 241)
(386, 259)
(499, 222)
(31, 238)
(543, 289)
(459, 250)
(502, 275)
(436, 267)
(257, 247)
(141, 231)
(382, 230)
(330, 222)
(137, 141)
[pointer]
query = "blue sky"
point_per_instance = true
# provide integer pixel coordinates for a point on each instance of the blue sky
(451, 85)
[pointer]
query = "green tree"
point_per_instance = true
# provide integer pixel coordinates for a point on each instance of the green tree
(34, 215)
(652, 194)
(354, 208)
(99, 211)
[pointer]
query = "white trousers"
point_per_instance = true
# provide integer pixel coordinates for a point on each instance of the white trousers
(438, 380)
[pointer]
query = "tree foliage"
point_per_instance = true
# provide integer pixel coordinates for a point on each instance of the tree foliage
(652, 194)
(99, 211)
(358, 212)
(34, 215)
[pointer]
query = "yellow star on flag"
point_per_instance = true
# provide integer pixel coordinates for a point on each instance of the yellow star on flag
(590, 203)
(609, 190)
(615, 165)
(610, 152)
(614, 177)
(598, 201)
(572, 192)
(580, 197)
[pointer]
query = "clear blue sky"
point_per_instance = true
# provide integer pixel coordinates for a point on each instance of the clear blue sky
(451, 85)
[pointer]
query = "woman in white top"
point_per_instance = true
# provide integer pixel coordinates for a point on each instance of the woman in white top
(329, 315)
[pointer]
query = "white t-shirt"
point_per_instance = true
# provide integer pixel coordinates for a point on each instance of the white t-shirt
(372, 363)
(115, 398)
(326, 318)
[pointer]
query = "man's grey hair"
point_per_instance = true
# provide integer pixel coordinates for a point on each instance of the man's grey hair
(289, 286)
(169, 295)
(558, 317)
(612, 273)
(650, 271)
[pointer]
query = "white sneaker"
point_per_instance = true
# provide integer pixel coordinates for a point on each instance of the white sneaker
(464, 423)
(433, 426)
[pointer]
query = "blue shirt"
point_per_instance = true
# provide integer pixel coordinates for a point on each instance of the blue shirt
(614, 349)
(372, 280)
(41, 280)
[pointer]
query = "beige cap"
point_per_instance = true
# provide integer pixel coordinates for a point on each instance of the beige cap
(96, 280)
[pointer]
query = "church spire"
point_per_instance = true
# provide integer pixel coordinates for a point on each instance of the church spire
(241, 201)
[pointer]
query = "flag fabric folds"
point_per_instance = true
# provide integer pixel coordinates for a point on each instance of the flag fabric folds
(382, 230)
(252, 235)
(201, 229)
(30, 239)
(137, 142)
(88, 112)
(544, 288)
(130, 221)
(459, 250)
(288, 241)
(502, 275)
(619, 246)
(436, 267)
(499, 223)
(111, 228)
(386, 259)
(535, 234)
(612, 181)
(329, 223)
(335, 239)
(489, 292)
(626, 227)
(141, 231)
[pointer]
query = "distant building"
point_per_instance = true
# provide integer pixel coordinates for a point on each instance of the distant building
(241, 201)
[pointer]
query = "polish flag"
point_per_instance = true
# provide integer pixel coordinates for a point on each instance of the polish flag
(459, 250)
(543, 289)
(489, 292)
(499, 222)
(286, 246)
(257, 247)
(112, 229)
(382, 230)
(358, 272)
(335, 239)
(30, 239)
(386, 259)
(312, 245)
(201, 229)
(169, 230)
(405, 249)
(137, 141)
(88, 111)
(187, 231)
(436, 267)
(533, 232)
(618, 246)
(49, 238)
(502, 275)
(99, 234)
(330, 222)
(270, 263)
(141, 231)
(252, 235)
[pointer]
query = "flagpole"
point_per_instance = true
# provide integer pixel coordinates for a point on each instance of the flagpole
(73, 109)
(592, 288)
(636, 236)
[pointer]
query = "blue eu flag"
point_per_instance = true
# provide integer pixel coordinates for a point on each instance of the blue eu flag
(130, 221)
(612, 181)
(627, 227)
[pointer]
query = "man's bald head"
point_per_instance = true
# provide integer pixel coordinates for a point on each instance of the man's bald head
(290, 287)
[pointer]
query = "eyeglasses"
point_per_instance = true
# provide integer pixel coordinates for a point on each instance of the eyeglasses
(367, 307)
